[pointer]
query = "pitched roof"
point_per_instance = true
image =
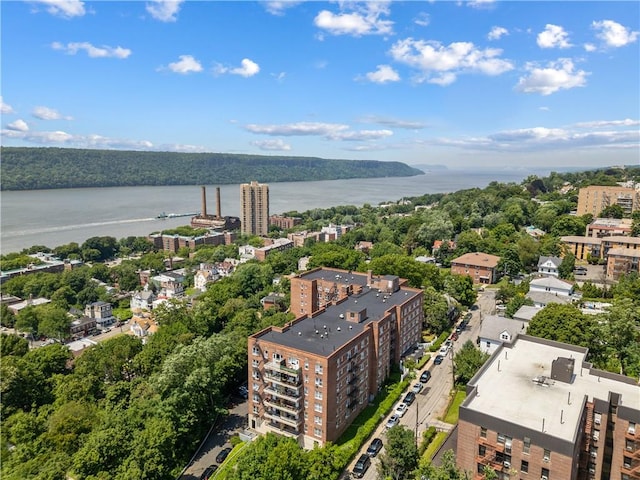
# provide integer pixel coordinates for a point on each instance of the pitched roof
(551, 282)
(546, 298)
(493, 326)
(478, 259)
(555, 260)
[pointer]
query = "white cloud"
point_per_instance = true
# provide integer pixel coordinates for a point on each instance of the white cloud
(497, 32)
(63, 8)
(272, 145)
(544, 109)
(364, 20)
(164, 10)
(553, 36)
(360, 135)
(185, 65)
(480, 3)
(423, 19)
(247, 68)
(46, 113)
(298, 129)
(383, 74)
(559, 75)
(82, 141)
(392, 122)
(93, 52)
(613, 34)
(5, 108)
(441, 64)
(278, 7)
(279, 76)
(545, 139)
(19, 125)
(589, 47)
(627, 122)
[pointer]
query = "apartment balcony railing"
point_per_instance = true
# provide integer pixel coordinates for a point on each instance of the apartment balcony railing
(292, 421)
(286, 380)
(281, 367)
(283, 429)
(289, 407)
(282, 392)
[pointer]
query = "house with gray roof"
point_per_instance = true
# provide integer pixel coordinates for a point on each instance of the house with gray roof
(496, 331)
(549, 266)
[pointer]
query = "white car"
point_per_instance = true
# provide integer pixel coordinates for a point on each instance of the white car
(393, 421)
(417, 388)
(444, 350)
(401, 409)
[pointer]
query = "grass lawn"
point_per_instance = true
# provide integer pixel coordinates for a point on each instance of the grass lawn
(435, 445)
(452, 412)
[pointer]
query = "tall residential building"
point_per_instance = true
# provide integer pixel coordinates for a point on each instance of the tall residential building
(254, 208)
(310, 379)
(595, 198)
(538, 410)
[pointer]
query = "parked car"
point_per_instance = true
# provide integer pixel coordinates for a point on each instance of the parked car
(208, 472)
(454, 336)
(243, 391)
(417, 388)
(362, 465)
(425, 377)
(401, 409)
(222, 456)
(409, 398)
(438, 360)
(374, 447)
(444, 349)
(393, 421)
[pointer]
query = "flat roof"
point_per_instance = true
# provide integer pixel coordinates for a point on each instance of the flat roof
(338, 276)
(507, 390)
(339, 331)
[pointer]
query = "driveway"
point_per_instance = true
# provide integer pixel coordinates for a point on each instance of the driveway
(217, 439)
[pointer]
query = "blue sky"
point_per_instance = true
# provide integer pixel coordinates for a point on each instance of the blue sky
(464, 84)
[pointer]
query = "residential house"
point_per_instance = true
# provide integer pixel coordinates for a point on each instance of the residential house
(273, 300)
(169, 284)
(496, 331)
(206, 274)
(143, 326)
(481, 267)
(81, 327)
(364, 247)
(549, 266)
(30, 302)
(526, 312)
(546, 290)
(101, 312)
(142, 300)
(437, 245)
(277, 245)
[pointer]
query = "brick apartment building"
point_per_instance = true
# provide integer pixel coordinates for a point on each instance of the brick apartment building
(595, 198)
(284, 223)
(538, 410)
(311, 378)
(607, 227)
(481, 267)
(621, 261)
(173, 243)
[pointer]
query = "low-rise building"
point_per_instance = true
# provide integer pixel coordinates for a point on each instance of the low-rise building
(595, 198)
(277, 245)
(169, 284)
(497, 330)
(83, 326)
(549, 265)
(481, 267)
(621, 261)
(101, 312)
(607, 227)
(551, 285)
(537, 409)
(284, 223)
(583, 248)
(142, 300)
(15, 307)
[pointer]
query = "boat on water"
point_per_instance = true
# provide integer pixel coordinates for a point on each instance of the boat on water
(164, 215)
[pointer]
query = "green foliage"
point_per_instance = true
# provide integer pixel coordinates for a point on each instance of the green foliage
(71, 168)
(467, 362)
(565, 270)
(13, 345)
(186, 231)
(400, 456)
(440, 340)
(612, 211)
(461, 288)
(435, 309)
(15, 261)
(427, 437)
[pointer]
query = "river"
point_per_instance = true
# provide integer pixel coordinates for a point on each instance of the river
(58, 217)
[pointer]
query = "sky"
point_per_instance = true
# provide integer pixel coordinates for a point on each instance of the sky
(465, 84)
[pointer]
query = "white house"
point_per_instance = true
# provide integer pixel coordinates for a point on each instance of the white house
(142, 300)
(170, 284)
(101, 312)
(206, 274)
(495, 331)
(549, 265)
(551, 285)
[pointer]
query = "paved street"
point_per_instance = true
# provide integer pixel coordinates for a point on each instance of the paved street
(432, 402)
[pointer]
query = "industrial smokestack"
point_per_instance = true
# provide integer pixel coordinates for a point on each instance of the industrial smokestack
(218, 209)
(204, 201)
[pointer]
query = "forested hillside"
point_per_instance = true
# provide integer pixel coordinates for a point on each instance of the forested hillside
(40, 168)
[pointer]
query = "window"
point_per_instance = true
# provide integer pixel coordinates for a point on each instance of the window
(483, 432)
(306, 365)
(482, 450)
(524, 466)
(545, 474)
(256, 350)
(627, 462)
(597, 418)
(318, 407)
(319, 369)
(526, 445)
(501, 438)
(318, 395)
(317, 420)
(632, 428)
(318, 382)
(317, 432)
(546, 455)
(255, 362)
(256, 386)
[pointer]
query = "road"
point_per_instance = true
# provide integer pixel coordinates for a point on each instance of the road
(433, 400)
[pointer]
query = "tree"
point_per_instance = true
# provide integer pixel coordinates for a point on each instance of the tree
(515, 303)
(568, 225)
(13, 345)
(461, 288)
(467, 362)
(7, 317)
(509, 263)
(635, 224)
(400, 457)
(447, 470)
(436, 309)
(565, 270)
(53, 322)
(612, 211)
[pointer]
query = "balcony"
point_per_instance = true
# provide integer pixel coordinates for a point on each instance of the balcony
(281, 367)
(286, 393)
(282, 379)
(499, 447)
(283, 429)
(292, 421)
(289, 407)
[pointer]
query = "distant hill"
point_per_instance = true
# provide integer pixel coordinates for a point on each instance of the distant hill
(25, 168)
